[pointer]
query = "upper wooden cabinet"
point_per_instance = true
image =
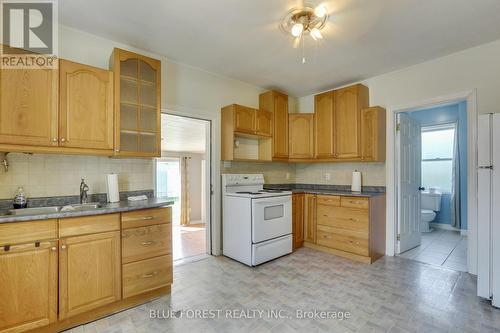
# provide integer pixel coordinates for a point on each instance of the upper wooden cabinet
(86, 106)
(244, 119)
(373, 134)
(137, 104)
(29, 286)
(277, 103)
(28, 107)
(349, 102)
(301, 135)
(245, 134)
(324, 108)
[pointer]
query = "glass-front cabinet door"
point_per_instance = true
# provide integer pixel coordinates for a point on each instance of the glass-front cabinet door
(137, 104)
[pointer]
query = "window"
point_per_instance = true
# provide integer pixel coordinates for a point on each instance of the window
(168, 184)
(437, 156)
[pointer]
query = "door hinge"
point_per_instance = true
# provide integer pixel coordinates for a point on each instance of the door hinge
(398, 127)
(398, 237)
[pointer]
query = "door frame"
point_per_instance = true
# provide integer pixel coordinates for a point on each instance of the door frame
(391, 169)
(213, 191)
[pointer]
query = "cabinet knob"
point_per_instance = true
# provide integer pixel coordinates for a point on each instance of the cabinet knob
(63, 139)
(54, 139)
(53, 248)
(63, 247)
(117, 150)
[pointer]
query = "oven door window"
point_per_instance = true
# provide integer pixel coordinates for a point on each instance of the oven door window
(274, 212)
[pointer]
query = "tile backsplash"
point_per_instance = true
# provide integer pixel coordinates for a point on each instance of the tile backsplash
(274, 173)
(373, 174)
(57, 175)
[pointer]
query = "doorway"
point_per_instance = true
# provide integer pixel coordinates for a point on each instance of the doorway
(182, 175)
(431, 168)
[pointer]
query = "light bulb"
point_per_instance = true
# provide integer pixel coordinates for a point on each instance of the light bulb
(297, 29)
(320, 11)
(316, 34)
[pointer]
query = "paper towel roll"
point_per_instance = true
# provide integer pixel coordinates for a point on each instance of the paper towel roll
(356, 181)
(112, 187)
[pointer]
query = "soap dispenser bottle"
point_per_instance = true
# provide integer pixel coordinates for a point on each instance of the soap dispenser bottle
(20, 200)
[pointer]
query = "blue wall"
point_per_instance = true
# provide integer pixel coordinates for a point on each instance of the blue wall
(443, 115)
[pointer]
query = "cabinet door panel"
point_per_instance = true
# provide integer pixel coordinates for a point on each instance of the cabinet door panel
(28, 107)
(373, 134)
(298, 220)
(310, 218)
(89, 272)
(323, 125)
(280, 126)
(28, 280)
(244, 119)
(86, 106)
(264, 122)
(301, 135)
(347, 123)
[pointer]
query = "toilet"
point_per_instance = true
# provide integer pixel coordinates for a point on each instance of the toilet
(430, 205)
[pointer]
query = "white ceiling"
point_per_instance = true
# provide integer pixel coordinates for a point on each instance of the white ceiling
(182, 134)
(241, 39)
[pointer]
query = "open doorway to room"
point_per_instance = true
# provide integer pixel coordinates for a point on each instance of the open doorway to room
(432, 171)
(183, 175)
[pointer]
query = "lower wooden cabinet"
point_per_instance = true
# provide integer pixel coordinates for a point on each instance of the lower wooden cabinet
(89, 272)
(352, 227)
(28, 286)
(55, 274)
(298, 220)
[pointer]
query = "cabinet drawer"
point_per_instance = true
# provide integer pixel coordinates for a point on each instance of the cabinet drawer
(354, 202)
(146, 242)
(342, 240)
(75, 226)
(330, 200)
(146, 275)
(29, 231)
(145, 217)
(343, 218)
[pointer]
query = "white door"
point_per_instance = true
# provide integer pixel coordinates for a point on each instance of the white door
(409, 182)
(484, 209)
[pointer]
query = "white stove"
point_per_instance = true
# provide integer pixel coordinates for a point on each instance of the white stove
(257, 223)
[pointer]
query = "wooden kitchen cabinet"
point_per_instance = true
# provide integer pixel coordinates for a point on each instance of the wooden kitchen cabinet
(298, 220)
(28, 280)
(244, 119)
(324, 112)
(349, 102)
(264, 123)
(28, 108)
(373, 134)
(310, 218)
(89, 272)
(137, 88)
(301, 135)
(85, 106)
(351, 227)
(277, 103)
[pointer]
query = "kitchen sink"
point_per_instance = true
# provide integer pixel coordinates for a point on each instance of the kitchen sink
(78, 207)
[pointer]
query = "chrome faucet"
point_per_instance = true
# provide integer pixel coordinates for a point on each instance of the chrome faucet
(84, 188)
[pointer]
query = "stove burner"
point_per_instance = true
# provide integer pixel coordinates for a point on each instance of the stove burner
(253, 193)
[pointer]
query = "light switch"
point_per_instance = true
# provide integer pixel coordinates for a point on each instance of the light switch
(327, 176)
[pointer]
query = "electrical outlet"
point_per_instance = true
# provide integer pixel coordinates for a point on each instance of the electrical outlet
(328, 176)
(287, 176)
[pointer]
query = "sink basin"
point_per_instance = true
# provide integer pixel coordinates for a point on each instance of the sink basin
(33, 211)
(77, 207)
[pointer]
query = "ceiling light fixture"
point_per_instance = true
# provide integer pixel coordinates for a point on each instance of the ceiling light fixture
(303, 21)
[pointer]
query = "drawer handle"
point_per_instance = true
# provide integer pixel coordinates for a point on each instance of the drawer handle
(327, 237)
(148, 243)
(142, 218)
(356, 202)
(149, 275)
(354, 220)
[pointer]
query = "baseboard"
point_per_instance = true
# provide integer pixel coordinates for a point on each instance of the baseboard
(444, 227)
